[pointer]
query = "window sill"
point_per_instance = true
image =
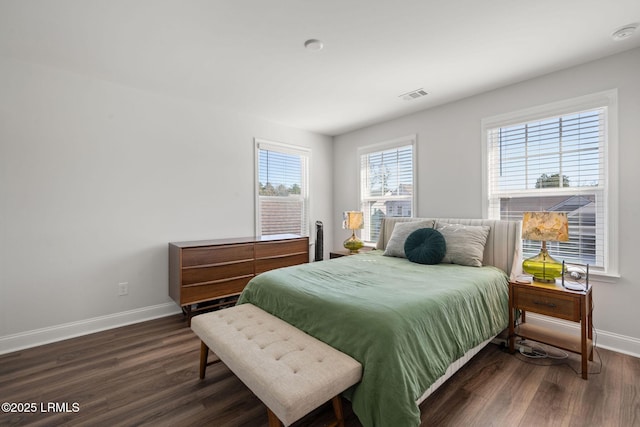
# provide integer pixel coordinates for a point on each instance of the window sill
(599, 276)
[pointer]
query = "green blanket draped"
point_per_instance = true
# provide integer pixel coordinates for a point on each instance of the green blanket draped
(404, 322)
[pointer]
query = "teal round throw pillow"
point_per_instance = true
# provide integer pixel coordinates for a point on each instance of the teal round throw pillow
(425, 246)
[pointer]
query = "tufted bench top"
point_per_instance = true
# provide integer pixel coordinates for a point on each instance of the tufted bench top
(291, 372)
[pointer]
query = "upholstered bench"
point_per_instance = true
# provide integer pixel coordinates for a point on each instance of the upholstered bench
(291, 372)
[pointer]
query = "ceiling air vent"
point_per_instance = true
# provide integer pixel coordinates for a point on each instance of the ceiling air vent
(418, 93)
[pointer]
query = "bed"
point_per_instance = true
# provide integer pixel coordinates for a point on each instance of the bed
(410, 325)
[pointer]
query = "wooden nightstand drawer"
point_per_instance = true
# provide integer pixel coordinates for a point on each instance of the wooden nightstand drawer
(560, 306)
(345, 252)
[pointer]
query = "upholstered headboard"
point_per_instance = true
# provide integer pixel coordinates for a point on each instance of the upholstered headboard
(504, 242)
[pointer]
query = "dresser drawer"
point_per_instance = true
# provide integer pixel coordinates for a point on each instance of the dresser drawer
(216, 254)
(279, 248)
(205, 292)
(267, 264)
(562, 306)
(212, 273)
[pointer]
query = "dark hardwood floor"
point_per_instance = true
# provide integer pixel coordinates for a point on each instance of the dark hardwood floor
(147, 374)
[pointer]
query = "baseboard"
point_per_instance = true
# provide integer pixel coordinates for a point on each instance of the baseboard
(609, 340)
(22, 340)
(603, 339)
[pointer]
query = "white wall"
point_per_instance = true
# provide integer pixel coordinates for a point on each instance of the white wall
(450, 169)
(97, 178)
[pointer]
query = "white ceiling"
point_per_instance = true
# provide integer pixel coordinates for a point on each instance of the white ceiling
(248, 55)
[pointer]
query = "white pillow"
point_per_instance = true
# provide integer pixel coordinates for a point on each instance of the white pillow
(401, 230)
(465, 243)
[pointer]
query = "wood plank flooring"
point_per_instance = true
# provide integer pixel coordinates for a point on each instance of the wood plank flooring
(147, 374)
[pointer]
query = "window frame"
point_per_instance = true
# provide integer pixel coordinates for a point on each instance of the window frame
(607, 100)
(264, 144)
(389, 145)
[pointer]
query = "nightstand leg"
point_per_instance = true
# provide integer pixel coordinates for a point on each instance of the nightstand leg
(583, 332)
(512, 330)
(590, 323)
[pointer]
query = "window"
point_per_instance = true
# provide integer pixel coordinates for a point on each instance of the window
(558, 158)
(387, 183)
(282, 189)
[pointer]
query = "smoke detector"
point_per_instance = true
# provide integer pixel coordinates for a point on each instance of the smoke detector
(313, 44)
(418, 93)
(624, 32)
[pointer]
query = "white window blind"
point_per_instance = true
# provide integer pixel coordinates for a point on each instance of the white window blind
(556, 163)
(387, 183)
(282, 189)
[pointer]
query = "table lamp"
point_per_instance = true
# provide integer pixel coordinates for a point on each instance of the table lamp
(353, 220)
(544, 227)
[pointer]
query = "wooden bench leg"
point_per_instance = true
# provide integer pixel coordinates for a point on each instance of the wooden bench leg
(337, 409)
(273, 420)
(204, 354)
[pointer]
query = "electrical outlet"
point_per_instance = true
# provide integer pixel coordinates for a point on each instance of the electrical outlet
(123, 288)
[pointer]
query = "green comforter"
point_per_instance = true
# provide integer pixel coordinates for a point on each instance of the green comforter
(404, 322)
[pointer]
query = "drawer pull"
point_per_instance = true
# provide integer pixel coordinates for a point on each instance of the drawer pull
(548, 304)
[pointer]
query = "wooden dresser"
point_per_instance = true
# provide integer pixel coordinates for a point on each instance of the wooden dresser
(203, 271)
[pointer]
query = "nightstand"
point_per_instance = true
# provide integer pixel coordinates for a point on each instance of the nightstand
(555, 301)
(345, 252)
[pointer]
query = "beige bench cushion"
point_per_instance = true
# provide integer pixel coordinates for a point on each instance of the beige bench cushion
(288, 370)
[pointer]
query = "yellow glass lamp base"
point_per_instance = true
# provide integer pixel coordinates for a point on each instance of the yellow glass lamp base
(543, 267)
(353, 243)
